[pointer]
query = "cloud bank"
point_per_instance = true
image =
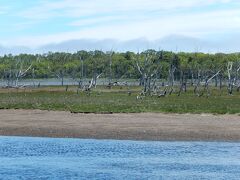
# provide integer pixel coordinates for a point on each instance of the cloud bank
(50, 23)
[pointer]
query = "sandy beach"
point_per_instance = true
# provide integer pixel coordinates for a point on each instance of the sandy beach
(141, 126)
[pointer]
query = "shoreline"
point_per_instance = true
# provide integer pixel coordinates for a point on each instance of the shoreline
(126, 140)
(136, 126)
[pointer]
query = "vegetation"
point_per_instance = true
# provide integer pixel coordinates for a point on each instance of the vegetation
(167, 82)
(116, 100)
(113, 64)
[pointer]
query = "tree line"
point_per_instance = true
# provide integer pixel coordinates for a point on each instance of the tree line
(149, 67)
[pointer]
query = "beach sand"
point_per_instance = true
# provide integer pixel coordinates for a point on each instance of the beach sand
(139, 126)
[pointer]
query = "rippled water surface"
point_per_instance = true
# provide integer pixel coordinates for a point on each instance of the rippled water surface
(47, 158)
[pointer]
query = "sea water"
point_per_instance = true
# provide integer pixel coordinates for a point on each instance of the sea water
(49, 158)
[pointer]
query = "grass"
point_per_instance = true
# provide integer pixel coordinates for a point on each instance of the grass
(116, 100)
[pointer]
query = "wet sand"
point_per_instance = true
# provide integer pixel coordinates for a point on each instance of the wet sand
(140, 126)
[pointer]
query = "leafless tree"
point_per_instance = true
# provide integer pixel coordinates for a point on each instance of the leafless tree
(148, 72)
(230, 77)
(18, 71)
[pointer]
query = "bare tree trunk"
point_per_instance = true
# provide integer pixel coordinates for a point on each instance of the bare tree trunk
(141, 81)
(192, 77)
(206, 86)
(62, 80)
(14, 75)
(216, 81)
(230, 81)
(196, 88)
(220, 81)
(110, 69)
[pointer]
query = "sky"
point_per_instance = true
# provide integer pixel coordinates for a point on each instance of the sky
(35, 23)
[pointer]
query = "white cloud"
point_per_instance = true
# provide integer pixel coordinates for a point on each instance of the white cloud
(97, 20)
(195, 25)
(80, 8)
(129, 19)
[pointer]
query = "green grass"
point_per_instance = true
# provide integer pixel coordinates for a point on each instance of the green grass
(118, 101)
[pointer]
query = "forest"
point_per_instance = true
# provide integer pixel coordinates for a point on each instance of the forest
(152, 68)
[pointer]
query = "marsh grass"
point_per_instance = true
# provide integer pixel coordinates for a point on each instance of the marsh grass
(117, 100)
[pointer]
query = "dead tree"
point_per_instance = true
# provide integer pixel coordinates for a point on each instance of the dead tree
(78, 76)
(33, 77)
(236, 79)
(92, 84)
(95, 78)
(207, 79)
(60, 70)
(183, 83)
(206, 85)
(148, 72)
(198, 84)
(110, 68)
(230, 78)
(171, 73)
(233, 76)
(60, 75)
(15, 74)
(220, 80)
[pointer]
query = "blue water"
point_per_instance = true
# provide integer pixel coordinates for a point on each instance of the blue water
(47, 158)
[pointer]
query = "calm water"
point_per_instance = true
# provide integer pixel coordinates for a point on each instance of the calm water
(46, 158)
(67, 81)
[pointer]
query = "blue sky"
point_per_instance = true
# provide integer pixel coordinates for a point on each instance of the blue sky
(34, 23)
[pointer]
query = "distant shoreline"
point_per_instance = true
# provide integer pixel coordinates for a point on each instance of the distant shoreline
(137, 126)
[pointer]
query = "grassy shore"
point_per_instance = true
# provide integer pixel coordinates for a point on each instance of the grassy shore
(116, 100)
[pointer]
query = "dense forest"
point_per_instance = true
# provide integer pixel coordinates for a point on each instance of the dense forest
(147, 66)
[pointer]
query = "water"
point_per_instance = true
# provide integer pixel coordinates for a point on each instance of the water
(47, 158)
(42, 82)
(67, 81)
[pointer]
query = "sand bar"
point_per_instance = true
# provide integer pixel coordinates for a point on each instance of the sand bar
(141, 126)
